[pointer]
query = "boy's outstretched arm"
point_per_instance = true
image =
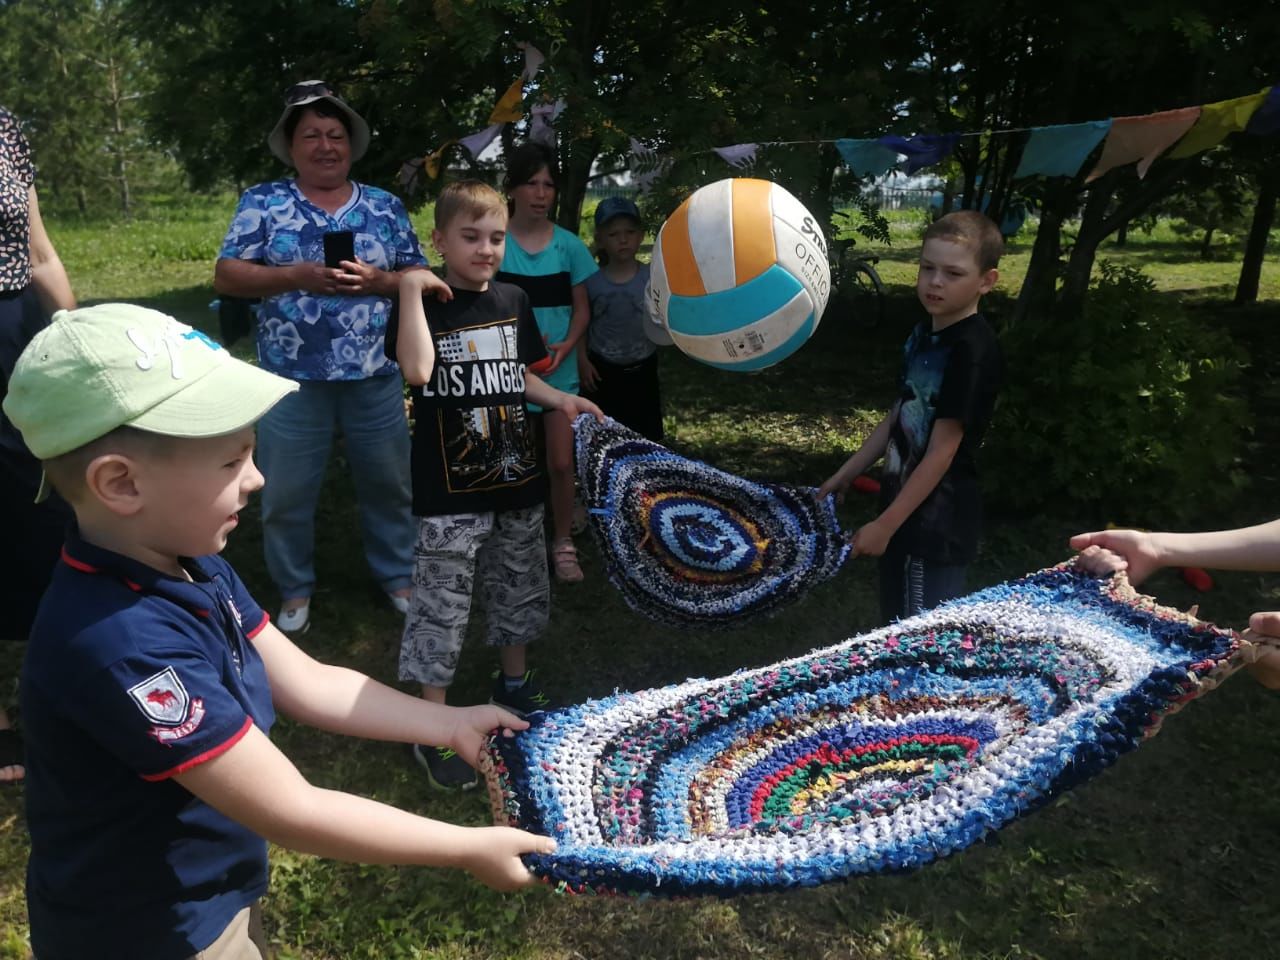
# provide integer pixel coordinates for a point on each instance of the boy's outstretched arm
(544, 395)
(1141, 553)
(256, 785)
(872, 539)
(348, 702)
(867, 454)
(415, 347)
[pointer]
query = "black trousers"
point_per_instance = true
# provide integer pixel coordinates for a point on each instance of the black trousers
(31, 534)
(910, 584)
(630, 394)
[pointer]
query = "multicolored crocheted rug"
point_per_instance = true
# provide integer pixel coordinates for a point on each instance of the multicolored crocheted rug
(882, 753)
(689, 544)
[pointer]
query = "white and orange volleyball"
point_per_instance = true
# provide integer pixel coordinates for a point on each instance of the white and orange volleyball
(740, 275)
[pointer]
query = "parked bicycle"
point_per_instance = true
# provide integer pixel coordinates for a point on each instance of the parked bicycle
(855, 281)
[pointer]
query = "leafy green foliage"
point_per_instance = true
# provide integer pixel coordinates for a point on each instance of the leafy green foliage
(75, 74)
(1216, 197)
(1132, 413)
(862, 220)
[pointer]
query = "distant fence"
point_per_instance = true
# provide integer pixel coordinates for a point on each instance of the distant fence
(598, 191)
(886, 198)
(903, 198)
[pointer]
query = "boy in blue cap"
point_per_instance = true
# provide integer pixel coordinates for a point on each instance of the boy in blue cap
(152, 676)
(618, 360)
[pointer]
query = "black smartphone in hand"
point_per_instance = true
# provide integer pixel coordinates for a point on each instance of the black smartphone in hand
(339, 245)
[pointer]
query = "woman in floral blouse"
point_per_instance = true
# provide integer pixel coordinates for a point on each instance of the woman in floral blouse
(33, 284)
(324, 327)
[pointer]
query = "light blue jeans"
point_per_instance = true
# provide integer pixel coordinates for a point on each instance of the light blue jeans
(294, 442)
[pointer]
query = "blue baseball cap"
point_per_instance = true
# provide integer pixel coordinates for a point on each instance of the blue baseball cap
(611, 207)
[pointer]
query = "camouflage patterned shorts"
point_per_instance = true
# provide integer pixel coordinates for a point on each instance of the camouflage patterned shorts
(506, 553)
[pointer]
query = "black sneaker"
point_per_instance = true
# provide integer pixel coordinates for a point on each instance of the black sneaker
(445, 769)
(523, 700)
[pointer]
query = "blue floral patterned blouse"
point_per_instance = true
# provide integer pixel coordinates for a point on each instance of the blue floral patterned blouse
(306, 336)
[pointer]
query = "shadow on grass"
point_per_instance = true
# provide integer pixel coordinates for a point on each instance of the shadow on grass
(1170, 854)
(191, 305)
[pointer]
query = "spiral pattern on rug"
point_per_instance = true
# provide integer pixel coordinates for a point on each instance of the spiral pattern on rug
(878, 754)
(686, 543)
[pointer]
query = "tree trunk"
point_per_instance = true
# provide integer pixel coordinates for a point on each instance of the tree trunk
(574, 172)
(1097, 224)
(1206, 244)
(1255, 248)
(1075, 278)
(1035, 299)
(122, 161)
(820, 204)
(948, 196)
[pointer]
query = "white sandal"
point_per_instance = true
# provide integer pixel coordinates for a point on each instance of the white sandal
(297, 620)
(564, 558)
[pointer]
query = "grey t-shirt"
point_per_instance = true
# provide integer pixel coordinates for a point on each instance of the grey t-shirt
(617, 318)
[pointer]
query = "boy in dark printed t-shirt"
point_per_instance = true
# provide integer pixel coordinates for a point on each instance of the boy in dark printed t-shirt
(931, 506)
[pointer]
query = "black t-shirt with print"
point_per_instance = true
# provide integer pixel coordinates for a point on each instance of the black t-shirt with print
(473, 445)
(950, 375)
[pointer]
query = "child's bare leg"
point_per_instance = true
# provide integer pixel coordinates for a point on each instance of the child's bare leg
(15, 771)
(512, 658)
(434, 694)
(559, 471)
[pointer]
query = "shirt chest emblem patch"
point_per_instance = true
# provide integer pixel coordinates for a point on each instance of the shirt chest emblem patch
(164, 700)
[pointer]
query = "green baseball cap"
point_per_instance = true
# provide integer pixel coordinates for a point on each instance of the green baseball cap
(115, 365)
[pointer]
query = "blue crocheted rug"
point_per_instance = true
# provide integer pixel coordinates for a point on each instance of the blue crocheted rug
(882, 753)
(689, 544)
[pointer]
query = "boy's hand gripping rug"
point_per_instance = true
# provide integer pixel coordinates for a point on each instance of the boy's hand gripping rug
(880, 753)
(689, 544)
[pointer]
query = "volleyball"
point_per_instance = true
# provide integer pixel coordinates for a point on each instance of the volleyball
(739, 277)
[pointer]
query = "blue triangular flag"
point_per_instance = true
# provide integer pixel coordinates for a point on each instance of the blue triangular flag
(1060, 151)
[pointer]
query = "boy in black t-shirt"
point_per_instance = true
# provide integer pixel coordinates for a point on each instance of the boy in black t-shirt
(931, 506)
(477, 485)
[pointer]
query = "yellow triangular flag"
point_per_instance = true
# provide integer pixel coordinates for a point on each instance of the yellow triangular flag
(434, 159)
(507, 109)
(1216, 121)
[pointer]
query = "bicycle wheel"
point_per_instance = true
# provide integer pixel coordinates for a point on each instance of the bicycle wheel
(865, 290)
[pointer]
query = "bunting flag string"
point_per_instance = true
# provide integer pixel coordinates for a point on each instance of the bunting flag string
(506, 110)
(1056, 150)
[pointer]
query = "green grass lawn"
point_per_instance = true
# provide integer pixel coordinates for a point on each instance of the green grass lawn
(1171, 854)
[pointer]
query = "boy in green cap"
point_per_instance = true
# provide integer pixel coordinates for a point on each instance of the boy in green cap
(152, 676)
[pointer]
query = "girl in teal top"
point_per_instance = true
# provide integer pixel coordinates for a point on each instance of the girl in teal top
(551, 265)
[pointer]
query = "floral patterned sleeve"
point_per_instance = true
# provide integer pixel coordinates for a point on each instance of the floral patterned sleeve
(246, 238)
(17, 174)
(408, 250)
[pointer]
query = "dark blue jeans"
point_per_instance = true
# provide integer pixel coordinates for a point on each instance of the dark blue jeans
(910, 584)
(294, 442)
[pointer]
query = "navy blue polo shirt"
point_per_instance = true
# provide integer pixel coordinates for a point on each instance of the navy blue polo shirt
(132, 676)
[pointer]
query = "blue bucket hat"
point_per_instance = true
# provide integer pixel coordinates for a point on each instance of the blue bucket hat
(611, 207)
